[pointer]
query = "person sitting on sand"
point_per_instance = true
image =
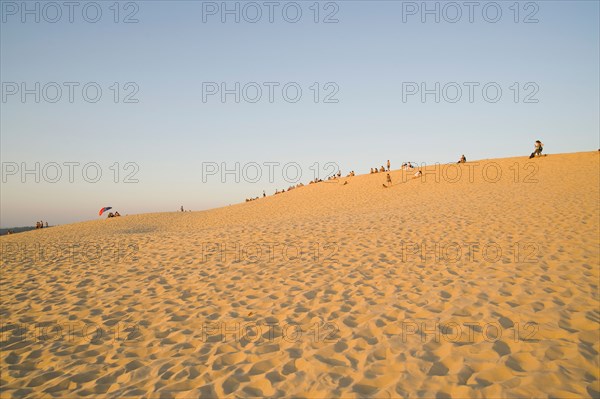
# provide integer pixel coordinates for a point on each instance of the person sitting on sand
(539, 147)
(382, 169)
(111, 215)
(117, 214)
(462, 159)
(417, 175)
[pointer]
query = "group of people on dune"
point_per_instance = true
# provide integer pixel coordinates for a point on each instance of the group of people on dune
(40, 225)
(538, 148)
(315, 180)
(405, 166)
(277, 191)
(381, 169)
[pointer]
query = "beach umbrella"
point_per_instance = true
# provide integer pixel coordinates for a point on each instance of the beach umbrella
(106, 208)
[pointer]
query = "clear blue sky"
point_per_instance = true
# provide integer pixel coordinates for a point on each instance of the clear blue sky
(367, 54)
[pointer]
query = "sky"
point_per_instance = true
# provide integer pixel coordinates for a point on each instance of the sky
(147, 106)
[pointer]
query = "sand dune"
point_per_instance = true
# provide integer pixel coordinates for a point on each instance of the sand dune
(477, 280)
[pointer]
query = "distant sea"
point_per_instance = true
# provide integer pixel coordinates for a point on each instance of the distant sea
(16, 229)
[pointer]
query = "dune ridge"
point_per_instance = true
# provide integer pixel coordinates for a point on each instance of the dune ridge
(474, 280)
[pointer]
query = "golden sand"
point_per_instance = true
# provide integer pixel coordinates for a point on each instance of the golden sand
(483, 284)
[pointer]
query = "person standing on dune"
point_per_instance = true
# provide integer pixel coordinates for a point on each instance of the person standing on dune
(388, 181)
(388, 165)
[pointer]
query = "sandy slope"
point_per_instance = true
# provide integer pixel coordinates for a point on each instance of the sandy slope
(465, 288)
